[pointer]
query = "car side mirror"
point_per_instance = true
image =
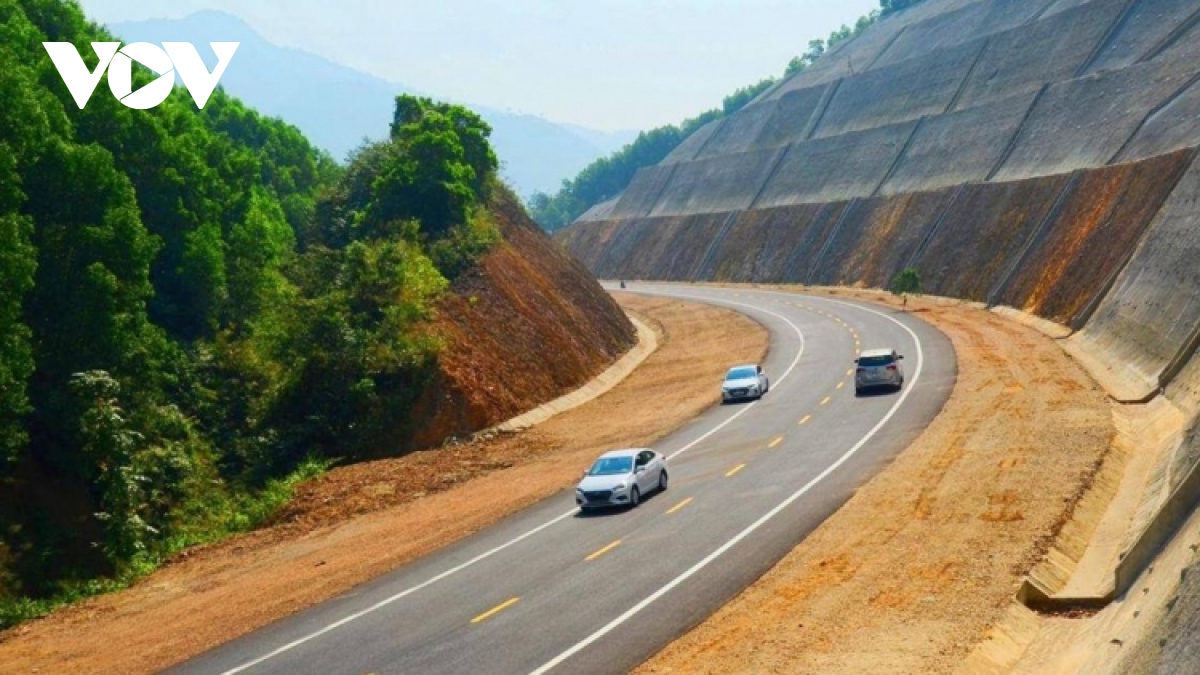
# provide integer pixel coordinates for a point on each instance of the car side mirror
(855, 360)
(900, 358)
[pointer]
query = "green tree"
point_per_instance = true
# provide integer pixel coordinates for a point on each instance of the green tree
(907, 282)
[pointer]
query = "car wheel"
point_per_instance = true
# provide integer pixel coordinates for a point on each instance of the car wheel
(635, 497)
(662, 482)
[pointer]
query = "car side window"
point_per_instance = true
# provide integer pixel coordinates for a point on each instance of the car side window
(643, 458)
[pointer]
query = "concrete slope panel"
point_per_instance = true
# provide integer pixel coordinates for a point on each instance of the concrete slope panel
(959, 147)
(601, 211)
(739, 131)
(1096, 228)
(726, 183)
(643, 192)
(981, 235)
(1174, 127)
(1084, 123)
(1185, 46)
(1059, 6)
(1048, 50)
(878, 238)
(1154, 308)
(666, 248)
(838, 167)
(897, 93)
(963, 25)
(792, 115)
(860, 53)
(687, 150)
(760, 243)
(1148, 24)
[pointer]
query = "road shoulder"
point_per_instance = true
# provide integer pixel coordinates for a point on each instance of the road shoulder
(915, 568)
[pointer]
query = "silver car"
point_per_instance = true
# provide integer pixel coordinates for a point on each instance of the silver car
(744, 382)
(621, 477)
(878, 368)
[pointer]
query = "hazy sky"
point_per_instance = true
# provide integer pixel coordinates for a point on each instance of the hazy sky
(605, 64)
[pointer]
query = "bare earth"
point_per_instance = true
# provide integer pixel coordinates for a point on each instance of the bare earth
(911, 572)
(362, 521)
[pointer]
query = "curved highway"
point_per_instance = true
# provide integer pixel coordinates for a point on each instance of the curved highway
(552, 590)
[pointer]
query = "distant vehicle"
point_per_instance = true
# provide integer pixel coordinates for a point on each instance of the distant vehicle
(744, 382)
(878, 368)
(621, 477)
(622, 284)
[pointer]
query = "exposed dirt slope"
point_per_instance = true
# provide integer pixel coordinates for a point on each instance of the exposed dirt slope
(361, 521)
(528, 324)
(908, 575)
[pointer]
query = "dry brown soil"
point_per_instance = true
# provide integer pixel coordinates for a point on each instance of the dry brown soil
(358, 522)
(910, 573)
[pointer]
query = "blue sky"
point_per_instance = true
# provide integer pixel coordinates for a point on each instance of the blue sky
(604, 64)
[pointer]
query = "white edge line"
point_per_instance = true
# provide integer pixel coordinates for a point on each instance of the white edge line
(610, 626)
(487, 554)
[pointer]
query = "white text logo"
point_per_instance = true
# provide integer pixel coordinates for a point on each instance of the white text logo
(179, 56)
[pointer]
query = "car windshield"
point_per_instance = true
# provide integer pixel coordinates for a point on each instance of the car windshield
(741, 374)
(868, 361)
(610, 466)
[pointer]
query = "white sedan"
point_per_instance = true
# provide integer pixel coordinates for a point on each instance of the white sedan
(621, 477)
(744, 382)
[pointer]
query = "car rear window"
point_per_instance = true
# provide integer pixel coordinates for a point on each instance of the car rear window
(869, 361)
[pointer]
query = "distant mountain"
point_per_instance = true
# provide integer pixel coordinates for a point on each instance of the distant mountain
(337, 107)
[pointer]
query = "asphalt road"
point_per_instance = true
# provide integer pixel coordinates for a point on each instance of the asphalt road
(550, 589)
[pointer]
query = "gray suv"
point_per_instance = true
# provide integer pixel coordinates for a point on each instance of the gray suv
(878, 368)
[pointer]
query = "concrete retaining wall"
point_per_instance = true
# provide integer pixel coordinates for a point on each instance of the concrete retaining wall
(644, 191)
(1084, 123)
(1100, 221)
(983, 231)
(778, 244)
(740, 130)
(900, 92)
(879, 238)
(1175, 126)
(1148, 24)
(725, 183)
(1049, 50)
(963, 25)
(836, 168)
(959, 147)
(692, 145)
(793, 116)
(1151, 315)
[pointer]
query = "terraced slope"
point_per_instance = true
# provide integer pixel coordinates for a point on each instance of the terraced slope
(1040, 154)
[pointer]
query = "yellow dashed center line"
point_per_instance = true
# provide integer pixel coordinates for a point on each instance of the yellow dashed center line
(805, 420)
(604, 550)
(734, 470)
(678, 506)
(495, 610)
(775, 443)
(849, 372)
(827, 400)
(841, 384)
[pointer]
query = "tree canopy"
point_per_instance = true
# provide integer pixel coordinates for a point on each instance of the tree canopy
(195, 304)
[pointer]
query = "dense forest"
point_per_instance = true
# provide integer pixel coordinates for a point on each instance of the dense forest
(606, 177)
(197, 308)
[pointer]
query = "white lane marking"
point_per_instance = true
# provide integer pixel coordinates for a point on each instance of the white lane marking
(610, 626)
(487, 554)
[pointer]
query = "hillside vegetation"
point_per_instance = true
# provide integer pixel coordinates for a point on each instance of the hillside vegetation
(197, 309)
(606, 177)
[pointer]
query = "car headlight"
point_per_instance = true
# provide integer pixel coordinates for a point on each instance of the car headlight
(619, 487)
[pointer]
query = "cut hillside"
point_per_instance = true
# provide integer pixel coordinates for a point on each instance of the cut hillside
(1035, 154)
